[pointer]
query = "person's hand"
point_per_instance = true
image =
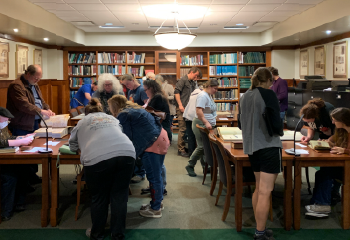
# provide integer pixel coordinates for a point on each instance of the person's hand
(31, 135)
(25, 141)
(45, 113)
(51, 113)
(337, 150)
(208, 126)
(181, 108)
(305, 139)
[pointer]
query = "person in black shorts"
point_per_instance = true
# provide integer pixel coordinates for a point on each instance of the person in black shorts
(264, 150)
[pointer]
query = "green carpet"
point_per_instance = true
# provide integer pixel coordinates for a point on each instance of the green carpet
(174, 234)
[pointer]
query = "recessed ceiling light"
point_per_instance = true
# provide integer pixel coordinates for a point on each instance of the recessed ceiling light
(111, 26)
(236, 27)
(46, 39)
(108, 24)
(15, 30)
(239, 24)
(328, 31)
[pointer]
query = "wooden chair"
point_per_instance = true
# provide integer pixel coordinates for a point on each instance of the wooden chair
(210, 160)
(73, 112)
(80, 109)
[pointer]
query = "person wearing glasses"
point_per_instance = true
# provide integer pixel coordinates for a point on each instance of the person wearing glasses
(108, 85)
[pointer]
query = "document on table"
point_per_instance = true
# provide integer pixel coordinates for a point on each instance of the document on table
(301, 151)
(52, 143)
(301, 145)
(33, 150)
(223, 118)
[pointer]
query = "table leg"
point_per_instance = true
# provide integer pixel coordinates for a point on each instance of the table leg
(45, 192)
(288, 195)
(238, 194)
(54, 193)
(345, 196)
(297, 192)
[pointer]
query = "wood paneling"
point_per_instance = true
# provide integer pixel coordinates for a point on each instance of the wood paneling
(290, 82)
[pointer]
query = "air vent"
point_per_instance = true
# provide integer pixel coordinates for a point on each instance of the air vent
(236, 27)
(84, 23)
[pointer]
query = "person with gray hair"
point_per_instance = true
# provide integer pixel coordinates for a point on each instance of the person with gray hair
(151, 76)
(169, 91)
(108, 85)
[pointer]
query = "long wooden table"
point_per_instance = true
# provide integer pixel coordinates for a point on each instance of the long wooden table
(230, 122)
(242, 160)
(324, 159)
(34, 158)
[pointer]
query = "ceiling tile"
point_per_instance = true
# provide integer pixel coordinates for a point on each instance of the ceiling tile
(196, 2)
(283, 13)
(259, 7)
(234, 23)
(266, 1)
(230, 1)
(294, 7)
(256, 29)
(130, 17)
(155, 1)
(231, 30)
(225, 8)
(119, 1)
(65, 13)
(88, 7)
(46, 1)
(219, 17)
(305, 1)
(248, 16)
(124, 7)
(82, 1)
(97, 14)
(74, 18)
(272, 17)
(55, 6)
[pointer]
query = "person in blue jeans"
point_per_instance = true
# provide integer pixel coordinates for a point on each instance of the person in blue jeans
(151, 143)
(327, 178)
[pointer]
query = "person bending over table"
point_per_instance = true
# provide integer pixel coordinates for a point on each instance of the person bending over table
(14, 178)
(151, 144)
(83, 96)
(205, 117)
(108, 157)
(321, 200)
(264, 151)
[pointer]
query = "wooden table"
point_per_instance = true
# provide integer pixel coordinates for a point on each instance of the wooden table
(323, 159)
(74, 121)
(242, 160)
(34, 158)
(230, 122)
(64, 159)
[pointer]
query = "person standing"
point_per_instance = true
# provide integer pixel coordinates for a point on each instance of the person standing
(280, 87)
(83, 96)
(136, 92)
(169, 91)
(183, 89)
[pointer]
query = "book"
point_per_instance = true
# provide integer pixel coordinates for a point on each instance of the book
(319, 145)
(237, 145)
(289, 136)
(233, 134)
(57, 126)
(9, 150)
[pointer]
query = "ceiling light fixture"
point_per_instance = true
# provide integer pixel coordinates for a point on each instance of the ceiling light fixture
(108, 24)
(46, 39)
(15, 30)
(239, 24)
(174, 40)
(236, 27)
(328, 32)
(111, 26)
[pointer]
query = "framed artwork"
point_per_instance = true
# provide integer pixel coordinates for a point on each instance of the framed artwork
(304, 63)
(340, 60)
(38, 57)
(320, 61)
(4, 59)
(21, 59)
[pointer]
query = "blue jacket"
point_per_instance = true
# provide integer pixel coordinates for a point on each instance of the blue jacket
(141, 127)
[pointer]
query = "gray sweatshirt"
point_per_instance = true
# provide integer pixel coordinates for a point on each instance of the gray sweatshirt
(100, 137)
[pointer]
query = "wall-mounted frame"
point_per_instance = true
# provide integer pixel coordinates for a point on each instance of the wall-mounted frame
(4, 59)
(38, 57)
(320, 61)
(340, 59)
(304, 63)
(21, 60)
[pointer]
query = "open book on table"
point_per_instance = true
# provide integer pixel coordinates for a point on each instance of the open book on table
(319, 145)
(232, 134)
(57, 127)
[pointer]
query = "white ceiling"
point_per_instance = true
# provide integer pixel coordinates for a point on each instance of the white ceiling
(211, 18)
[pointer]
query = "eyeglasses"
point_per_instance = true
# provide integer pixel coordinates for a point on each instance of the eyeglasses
(108, 85)
(145, 89)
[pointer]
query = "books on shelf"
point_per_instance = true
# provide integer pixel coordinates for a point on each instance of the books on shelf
(137, 71)
(187, 60)
(78, 82)
(9, 150)
(113, 69)
(225, 58)
(247, 71)
(108, 58)
(57, 127)
(184, 71)
(222, 70)
(244, 83)
(233, 94)
(225, 107)
(136, 58)
(228, 82)
(252, 57)
(84, 58)
(319, 145)
(82, 70)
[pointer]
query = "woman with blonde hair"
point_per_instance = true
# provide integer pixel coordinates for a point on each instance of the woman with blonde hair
(108, 85)
(264, 150)
(151, 143)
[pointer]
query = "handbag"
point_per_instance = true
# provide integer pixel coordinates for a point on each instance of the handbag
(158, 114)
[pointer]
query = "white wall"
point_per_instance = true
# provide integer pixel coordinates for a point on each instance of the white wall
(284, 61)
(55, 64)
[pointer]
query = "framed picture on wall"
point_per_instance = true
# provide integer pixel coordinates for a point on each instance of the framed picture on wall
(340, 60)
(38, 57)
(304, 63)
(4, 59)
(21, 59)
(320, 61)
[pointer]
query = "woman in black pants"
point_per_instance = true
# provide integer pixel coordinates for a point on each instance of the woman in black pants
(108, 157)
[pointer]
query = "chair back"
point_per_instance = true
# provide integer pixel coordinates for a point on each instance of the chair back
(226, 158)
(206, 145)
(80, 109)
(73, 112)
(219, 158)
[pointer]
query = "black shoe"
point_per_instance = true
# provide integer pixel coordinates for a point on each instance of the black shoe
(4, 219)
(263, 237)
(165, 192)
(20, 208)
(190, 171)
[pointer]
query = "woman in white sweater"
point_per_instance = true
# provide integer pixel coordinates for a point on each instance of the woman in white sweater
(108, 157)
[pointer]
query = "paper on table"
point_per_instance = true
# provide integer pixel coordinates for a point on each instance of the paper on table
(223, 118)
(301, 151)
(301, 145)
(52, 143)
(34, 149)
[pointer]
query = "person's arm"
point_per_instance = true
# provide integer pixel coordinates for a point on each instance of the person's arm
(310, 135)
(178, 89)
(273, 107)
(144, 96)
(200, 115)
(21, 101)
(282, 91)
(125, 122)
(73, 140)
(178, 100)
(20, 142)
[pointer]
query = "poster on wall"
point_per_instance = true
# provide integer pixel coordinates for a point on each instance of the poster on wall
(4, 59)
(38, 57)
(21, 60)
(340, 60)
(304, 63)
(320, 61)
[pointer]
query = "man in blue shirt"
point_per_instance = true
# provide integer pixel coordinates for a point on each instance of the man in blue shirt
(83, 96)
(136, 92)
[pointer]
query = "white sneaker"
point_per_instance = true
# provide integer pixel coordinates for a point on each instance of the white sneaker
(150, 213)
(323, 209)
(145, 206)
(319, 215)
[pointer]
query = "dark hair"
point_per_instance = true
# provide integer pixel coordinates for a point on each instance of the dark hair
(155, 88)
(261, 75)
(93, 106)
(95, 83)
(31, 70)
(312, 108)
(211, 83)
(194, 70)
(274, 71)
(342, 115)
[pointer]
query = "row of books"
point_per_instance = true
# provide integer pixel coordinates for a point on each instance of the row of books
(82, 70)
(252, 57)
(115, 70)
(224, 58)
(246, 71)
(233, 94)
(244, 83)
(111, 58)
(222, 70)
(78, 82)
(137, 72)
(228, 82)
(224, 107)
(84, 58)
(136, 58)
(186, 60)
(184, 71)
